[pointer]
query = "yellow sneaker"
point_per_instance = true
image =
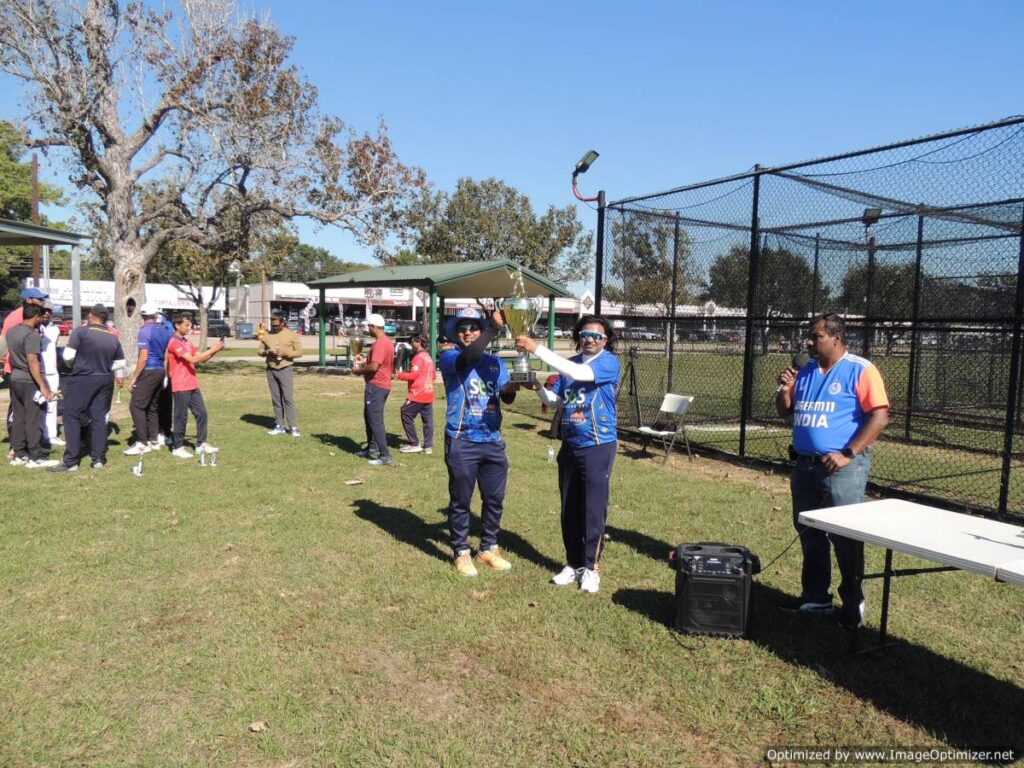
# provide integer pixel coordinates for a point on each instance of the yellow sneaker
(464, 563)
(492, 557)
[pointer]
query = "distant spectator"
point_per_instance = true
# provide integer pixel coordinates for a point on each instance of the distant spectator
(420, 400)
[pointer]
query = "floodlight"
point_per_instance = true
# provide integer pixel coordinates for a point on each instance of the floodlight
(585, 162)
(871, 216)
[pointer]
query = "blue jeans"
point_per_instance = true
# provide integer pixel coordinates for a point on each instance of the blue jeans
(814, 487)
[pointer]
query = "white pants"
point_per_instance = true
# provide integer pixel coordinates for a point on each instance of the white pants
(50, 412)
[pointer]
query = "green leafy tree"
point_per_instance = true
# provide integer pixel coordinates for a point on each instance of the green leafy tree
(786, 285)
(185, 123)
(16, 204)
(488, 220)
(642, 257)
(892, 302)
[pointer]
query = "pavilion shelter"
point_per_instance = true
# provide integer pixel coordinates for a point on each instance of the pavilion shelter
(467, 279)
(24, 233)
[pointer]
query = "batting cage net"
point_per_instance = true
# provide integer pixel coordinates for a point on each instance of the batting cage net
(918, 245)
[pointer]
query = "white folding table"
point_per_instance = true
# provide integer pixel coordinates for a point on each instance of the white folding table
(957, 541)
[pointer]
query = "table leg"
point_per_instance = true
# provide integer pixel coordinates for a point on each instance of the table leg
(885, 597)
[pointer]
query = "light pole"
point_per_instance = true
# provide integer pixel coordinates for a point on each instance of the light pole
(582, 167)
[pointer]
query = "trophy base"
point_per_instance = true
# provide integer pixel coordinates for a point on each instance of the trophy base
(522, 377)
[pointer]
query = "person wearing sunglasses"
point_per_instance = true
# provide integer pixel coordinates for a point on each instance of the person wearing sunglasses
(476, 383)
(586, 389)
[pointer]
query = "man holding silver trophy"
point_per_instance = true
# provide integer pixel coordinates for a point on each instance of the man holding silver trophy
(476, 383)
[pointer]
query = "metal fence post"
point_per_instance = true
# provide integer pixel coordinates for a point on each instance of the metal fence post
(1014, 383)
(672, 306)
(817, 275)
(869, 309)
(748, 343)
(599, 266)
(915, 332)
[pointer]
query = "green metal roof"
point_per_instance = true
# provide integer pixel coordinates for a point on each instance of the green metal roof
(25, 233)
(466, 279)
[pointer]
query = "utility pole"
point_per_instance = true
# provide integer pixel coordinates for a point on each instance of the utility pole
(35, 217)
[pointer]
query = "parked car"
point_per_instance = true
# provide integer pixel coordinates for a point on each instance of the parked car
(217, 328)
(405, 329)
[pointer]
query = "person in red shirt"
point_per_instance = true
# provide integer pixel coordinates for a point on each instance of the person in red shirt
(377, 373)
(182, 358)
(420, 399)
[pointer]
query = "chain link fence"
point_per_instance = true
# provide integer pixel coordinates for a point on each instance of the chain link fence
(919, 245)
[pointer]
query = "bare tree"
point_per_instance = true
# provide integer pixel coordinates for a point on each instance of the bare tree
(185, 127)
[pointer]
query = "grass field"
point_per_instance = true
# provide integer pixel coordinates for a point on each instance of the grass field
(151, 620)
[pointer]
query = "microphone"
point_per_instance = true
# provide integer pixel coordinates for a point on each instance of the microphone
(799, 361)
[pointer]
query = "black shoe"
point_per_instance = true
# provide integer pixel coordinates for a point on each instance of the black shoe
(803, 605)
(851, 617)
(63, 468)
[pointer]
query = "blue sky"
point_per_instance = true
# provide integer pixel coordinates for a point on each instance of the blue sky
(668, 93)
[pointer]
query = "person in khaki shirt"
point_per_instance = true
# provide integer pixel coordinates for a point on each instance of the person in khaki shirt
(280, 348)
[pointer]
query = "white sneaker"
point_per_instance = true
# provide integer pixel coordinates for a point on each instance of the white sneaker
(41, 463)
(155, 445)
(295, 432)
(590, 581)
(277, 430)
(427, 450)
(206, 448)
(410, 449)
(138, 449)
(182, 453)
(57, 441)
(18, 462)
(565, 577)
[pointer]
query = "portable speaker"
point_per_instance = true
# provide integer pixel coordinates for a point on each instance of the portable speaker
(713, 588)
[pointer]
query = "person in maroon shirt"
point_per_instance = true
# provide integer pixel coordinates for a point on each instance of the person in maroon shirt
(377, 372)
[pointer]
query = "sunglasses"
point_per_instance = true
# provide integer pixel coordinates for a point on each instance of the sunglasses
(592, 336)
(466, 327)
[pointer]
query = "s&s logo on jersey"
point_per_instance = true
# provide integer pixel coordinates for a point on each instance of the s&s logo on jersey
(835, 388)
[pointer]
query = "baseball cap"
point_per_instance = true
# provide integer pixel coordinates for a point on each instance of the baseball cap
(100, 311)
(33, 293)
(376, 319)
(149, 309)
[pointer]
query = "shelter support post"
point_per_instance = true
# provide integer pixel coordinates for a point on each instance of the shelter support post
(1014, 383)
(433, 323)
(322, 314)
(551, 322)
(76, 286)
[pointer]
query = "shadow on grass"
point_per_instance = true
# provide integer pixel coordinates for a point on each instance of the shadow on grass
(963, 706)
(341, 442)
(429, 538)
(347, 444)
(641, 542)
(267, 422)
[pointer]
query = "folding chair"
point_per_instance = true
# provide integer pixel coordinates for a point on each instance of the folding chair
(668, 424)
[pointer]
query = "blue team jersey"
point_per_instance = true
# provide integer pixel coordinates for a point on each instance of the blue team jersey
(588, 407)
(153, 338)
(829, 407)
(474, 410)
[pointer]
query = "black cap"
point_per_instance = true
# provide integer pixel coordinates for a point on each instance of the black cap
(100, 311)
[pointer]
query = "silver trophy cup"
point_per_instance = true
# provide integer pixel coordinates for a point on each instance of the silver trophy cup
(520, 316)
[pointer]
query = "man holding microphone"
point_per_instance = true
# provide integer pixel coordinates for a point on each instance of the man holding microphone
(839, 407)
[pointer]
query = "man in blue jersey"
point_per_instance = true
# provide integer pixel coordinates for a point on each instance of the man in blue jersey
(839, 407)
(475, 383)
(147, 382)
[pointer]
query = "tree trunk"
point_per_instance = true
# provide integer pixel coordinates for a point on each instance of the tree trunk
(204, 317)
(129, 283)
